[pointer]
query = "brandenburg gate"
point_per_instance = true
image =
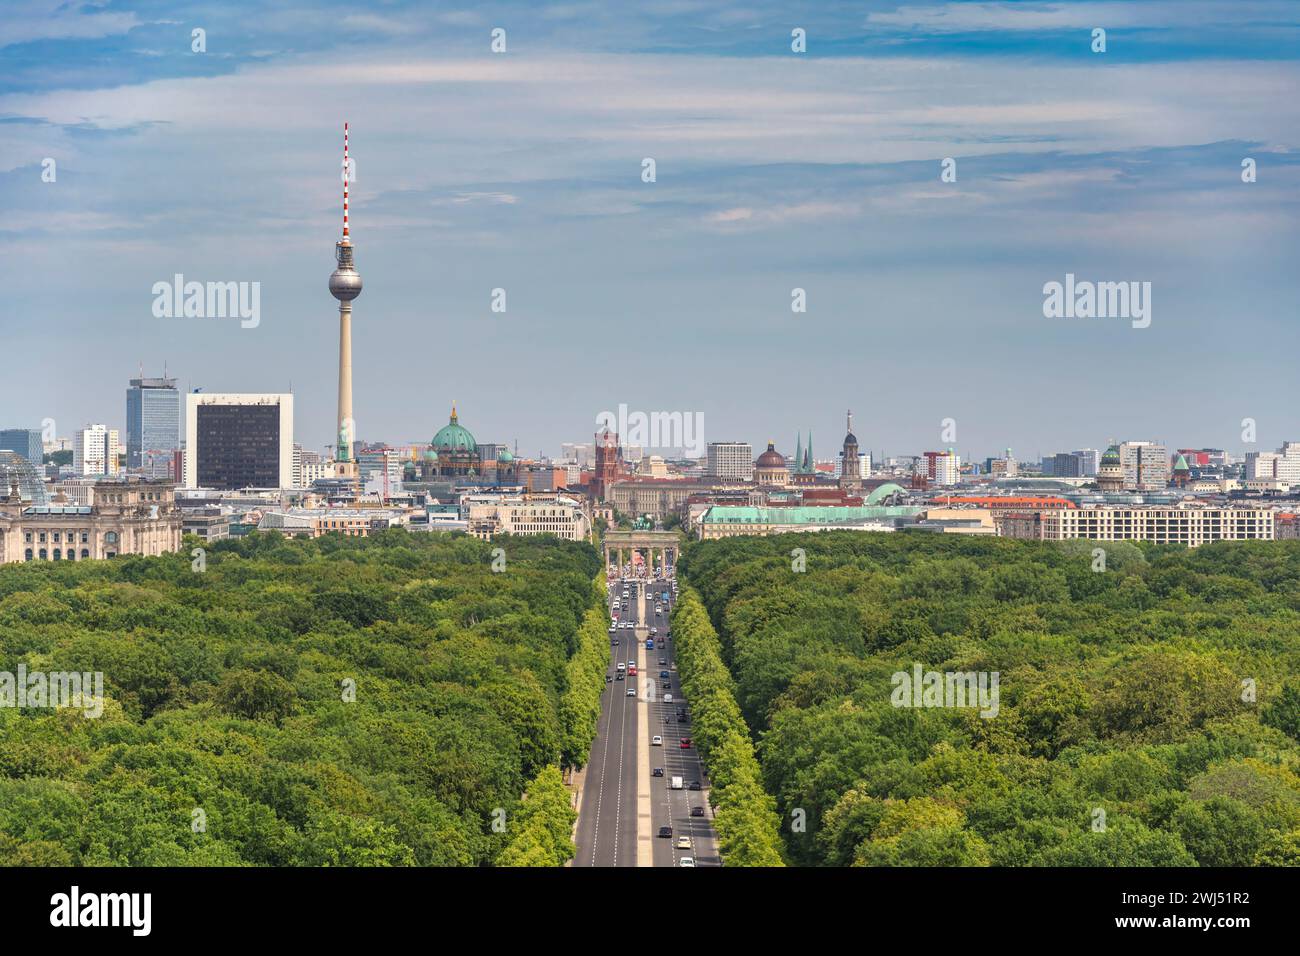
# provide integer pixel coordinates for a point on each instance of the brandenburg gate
(658, 549)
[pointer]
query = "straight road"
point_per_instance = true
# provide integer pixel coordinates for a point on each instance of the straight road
(623, 803)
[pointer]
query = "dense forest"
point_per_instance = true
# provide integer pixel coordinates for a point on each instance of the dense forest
(406, 699)
(1148, 712)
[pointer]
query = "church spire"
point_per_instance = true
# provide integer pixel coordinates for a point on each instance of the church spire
(798, 453)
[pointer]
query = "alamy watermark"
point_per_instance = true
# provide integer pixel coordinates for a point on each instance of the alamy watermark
(208, 300)
(663, 430)
(957, 689)
(1098, 300)
(54, 689)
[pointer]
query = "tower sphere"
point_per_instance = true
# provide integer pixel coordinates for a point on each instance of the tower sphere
(345, 286)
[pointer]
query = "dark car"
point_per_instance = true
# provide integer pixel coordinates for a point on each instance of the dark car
(682, 719)
(657, 772)
(665, 674)
(665, 831)
(695, 785)
(668, 685)
(618, 676)
(697, 811)
(608, 678)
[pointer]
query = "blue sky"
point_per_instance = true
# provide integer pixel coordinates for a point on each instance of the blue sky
(775, 170)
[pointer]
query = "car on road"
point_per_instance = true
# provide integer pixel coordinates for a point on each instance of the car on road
(675, 783)
(686, 861)
(609, 678)
(664, 674)
(683, 719)
(656, 741)
(668, 685)
(697, 811)
(654, 631)
(618, 676)
(657, 772)
(683, 843)
(665, 831)
(631, 670)
(686, 743)
(663, 661)
(621, 665)
(631, 692)
(695, 785)
(668, 698)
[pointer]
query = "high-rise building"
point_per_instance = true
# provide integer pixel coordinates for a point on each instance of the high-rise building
(153, 426)
(95, 450)
(238, 441)
(942, 467)
(345, 285)
(1146, 465)
(1283, 464)
(23, 441)
(730, 460)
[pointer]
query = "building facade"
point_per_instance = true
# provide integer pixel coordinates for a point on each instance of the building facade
(1146, 465)
(95, 450)
(153, 426)
(491, 515)
(1189, 525)
(238, 441)
(23, 441)
(127, 517)
(730, 460)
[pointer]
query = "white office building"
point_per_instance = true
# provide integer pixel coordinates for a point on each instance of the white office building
(1146, 465)
(95, 450)
(731, 460)
(1282, 465)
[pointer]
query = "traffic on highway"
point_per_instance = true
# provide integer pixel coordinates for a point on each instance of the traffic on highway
(644, 793)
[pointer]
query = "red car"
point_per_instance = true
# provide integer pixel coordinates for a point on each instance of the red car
(686, 743)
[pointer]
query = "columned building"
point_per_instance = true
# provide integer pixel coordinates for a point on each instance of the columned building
(126, 517)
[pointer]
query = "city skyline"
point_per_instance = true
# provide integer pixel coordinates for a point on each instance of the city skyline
(523, 171)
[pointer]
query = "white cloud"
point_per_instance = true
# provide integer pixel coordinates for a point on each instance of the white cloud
(26, 20)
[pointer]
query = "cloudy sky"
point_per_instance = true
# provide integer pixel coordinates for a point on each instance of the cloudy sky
(776, 170)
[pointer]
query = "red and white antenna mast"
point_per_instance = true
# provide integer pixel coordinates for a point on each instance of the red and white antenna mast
(347, 170)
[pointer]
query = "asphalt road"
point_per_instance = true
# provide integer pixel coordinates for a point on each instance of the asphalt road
(609, 820)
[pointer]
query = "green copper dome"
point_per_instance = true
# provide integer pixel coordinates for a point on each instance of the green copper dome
(1112, 456)
(1180, 464)
(453, 436)
(504, 456)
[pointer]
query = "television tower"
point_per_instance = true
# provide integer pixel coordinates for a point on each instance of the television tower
(345, 285)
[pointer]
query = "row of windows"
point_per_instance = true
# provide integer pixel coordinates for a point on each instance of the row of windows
(71, 536)
(60, 556)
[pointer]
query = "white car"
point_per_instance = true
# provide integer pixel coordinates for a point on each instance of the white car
(668, 698)
(683, 843)
(631, 692)
(686, 861)
(656, 741)
(621, 665)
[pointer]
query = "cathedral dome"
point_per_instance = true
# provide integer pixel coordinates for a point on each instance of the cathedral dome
(453, 436)
(770, 458)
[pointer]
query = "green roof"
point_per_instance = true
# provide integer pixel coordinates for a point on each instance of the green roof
(884, 491)
(804, 514)
(453, 436)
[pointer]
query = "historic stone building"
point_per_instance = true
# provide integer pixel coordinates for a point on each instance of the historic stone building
(123, 517)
